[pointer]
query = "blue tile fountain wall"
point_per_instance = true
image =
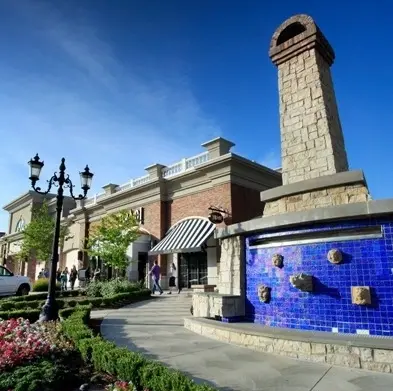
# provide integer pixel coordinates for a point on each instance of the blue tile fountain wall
(366, 262)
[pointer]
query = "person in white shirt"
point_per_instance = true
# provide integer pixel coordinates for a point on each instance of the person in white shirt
(173, 279)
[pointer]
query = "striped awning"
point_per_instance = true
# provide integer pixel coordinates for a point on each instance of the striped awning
(185, 237)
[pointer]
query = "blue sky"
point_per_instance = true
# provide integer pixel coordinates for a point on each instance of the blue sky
(123, 84)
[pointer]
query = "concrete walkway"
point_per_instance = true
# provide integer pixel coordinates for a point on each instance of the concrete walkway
(155, 328)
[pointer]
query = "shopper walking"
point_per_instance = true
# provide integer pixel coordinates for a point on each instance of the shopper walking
(155, 273)
(73, 276)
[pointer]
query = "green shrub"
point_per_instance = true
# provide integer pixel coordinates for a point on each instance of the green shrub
(7, 305)
(38, 296)
(66, 312)
(31, 315)
(94, 289)
(122, 363)
(42, 376)
(42, 285)
(112, 287)
(60, 303)
(95, 301)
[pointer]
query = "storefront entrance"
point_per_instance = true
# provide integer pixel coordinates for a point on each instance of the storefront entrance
(142, 262)
(193, 269)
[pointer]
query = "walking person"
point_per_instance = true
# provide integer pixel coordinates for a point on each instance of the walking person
(155, 272)
(58, 275)
(73, 276)
(64, 279)
(173, 279)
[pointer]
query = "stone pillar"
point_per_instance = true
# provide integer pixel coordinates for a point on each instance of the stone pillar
(231, 277)
(155, 171)
(312, 142)
(218, 147)
(110, 188)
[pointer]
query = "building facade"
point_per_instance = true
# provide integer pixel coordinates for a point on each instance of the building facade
(172, 203)
(20, 214)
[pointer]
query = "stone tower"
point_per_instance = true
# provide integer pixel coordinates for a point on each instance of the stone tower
(312, 142)
(314, 161)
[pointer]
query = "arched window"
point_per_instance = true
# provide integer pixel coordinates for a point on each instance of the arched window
(20, 225)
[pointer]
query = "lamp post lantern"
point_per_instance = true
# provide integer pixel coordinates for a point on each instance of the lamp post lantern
(50, 309)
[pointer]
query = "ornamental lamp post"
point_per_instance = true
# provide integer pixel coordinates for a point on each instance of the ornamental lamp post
(50, 310)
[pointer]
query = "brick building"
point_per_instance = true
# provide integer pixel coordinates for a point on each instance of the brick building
(173, 204)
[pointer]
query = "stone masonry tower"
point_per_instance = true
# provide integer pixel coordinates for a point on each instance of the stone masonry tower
(311, 137)
(314, 161)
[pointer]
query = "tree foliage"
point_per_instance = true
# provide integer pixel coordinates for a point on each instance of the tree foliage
(37, 236)
(110, 239)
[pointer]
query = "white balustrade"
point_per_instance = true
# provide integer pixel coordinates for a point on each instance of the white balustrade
(167, 172)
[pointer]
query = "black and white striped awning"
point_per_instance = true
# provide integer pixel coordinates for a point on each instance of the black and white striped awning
(185, 237)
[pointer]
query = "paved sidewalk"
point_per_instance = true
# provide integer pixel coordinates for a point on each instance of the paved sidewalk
(155, 328)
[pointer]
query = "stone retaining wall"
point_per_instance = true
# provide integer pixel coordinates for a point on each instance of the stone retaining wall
(374, 359)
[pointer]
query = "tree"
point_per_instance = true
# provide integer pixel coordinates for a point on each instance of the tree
(37, 236)
(110, 239)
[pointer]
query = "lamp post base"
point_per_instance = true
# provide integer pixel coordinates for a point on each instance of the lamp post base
(49, 312)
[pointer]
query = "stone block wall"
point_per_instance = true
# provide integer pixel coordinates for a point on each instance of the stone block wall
(366, 261)
(231, 277)
(339, 195)
(214, 305)
(312, 142)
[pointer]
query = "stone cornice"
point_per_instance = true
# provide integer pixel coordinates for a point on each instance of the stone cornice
(312, 216)
(25, 199)
(9, 238)
(345, 178)
(19, 202)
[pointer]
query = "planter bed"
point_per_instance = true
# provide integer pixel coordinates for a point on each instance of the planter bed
(30, 309)
(86, 358)
(121, 363)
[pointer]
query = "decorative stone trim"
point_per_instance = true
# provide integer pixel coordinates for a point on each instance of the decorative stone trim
(278, 260)
(203, 288)
(341, 352)
(341, 179)
(264, 293)
(361, 295)
(321, 215)
(335, 256)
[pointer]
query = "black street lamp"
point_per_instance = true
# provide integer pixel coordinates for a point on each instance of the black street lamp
(50, 310)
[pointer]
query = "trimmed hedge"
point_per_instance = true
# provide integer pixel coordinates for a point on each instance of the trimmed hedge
(123, 363)
(42, 285)
(45, 375)
(31, 309)
(43, 296)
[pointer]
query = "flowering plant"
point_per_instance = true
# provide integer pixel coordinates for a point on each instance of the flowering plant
(122, 386)
(21, 342)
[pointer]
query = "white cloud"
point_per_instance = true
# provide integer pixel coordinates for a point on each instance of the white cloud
(98, 112)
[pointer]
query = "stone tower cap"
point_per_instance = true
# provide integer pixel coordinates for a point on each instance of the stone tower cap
(297, 35)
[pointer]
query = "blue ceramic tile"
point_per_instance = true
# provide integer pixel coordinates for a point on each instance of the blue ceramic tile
(366, 262)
